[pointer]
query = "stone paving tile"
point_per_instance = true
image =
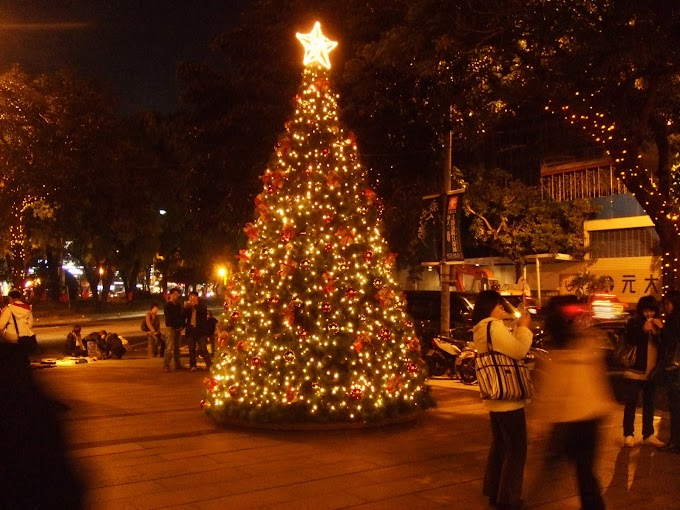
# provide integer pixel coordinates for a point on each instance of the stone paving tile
(146, 447)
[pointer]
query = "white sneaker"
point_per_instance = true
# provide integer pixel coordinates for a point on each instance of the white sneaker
(629, 441)
(654, 441)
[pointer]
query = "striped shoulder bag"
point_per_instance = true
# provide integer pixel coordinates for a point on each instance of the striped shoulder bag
(500, 376)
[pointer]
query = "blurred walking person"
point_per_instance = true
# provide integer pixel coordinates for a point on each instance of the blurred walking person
(574, 396)
(642, 331)
(504, 475)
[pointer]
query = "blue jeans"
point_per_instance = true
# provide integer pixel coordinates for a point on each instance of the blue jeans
(173, 337)
(632, 388)
(197, 342)
(505, 466)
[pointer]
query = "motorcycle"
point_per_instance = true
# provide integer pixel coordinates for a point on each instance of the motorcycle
(456, 358)
(451, 357)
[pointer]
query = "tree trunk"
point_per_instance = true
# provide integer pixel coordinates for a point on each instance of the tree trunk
(92, 278)
(53, 281)
(669, 239)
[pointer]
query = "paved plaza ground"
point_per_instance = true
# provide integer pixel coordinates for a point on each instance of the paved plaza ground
(139, 440)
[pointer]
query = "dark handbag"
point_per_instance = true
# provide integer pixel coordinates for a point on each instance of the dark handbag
(145, 326)
(28, 343)
(672, 358)
(625, 354)
(501, 377)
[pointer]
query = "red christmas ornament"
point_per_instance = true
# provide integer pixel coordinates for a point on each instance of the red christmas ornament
(333, 328)
(211, 383)
(325, 151)
(326, 307)
(291, 395)
(288, 233)
(384, 334)
(233, 390)
(344, 265)
(356, 393)
(235, 315)
(412, 367)
(305, 264)
(408, 324)
(328, 217)
(297, 302)
(368, 255)
(289, 356)
(303, 334)
(351, 293)
(250, 230)
(378, 283)
(328, 247)
(256, 361)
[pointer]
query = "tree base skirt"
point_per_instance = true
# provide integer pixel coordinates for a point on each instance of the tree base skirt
(409, 418)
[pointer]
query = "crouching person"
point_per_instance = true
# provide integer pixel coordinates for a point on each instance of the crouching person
(115, 346)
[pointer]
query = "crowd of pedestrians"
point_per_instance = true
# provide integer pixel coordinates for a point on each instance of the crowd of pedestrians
(192, 318)
(574, 393)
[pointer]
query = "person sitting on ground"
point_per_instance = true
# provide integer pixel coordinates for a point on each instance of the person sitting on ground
(115, 346)
(74, 343)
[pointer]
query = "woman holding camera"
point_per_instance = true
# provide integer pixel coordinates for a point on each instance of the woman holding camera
(643, 332)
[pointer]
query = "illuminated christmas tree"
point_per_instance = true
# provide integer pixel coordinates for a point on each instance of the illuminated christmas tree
(315, 328)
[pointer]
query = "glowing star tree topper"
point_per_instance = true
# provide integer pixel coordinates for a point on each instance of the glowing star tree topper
(317, 46)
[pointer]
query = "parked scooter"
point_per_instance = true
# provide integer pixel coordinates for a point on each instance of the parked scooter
(444, 358)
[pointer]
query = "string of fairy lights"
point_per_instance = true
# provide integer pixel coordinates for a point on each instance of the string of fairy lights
(604, 132)
(315, 326)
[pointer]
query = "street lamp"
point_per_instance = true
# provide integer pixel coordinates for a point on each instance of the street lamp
(222, 273)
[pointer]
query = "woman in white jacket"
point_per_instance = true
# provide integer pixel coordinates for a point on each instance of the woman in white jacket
(505, 466)
(16, 319)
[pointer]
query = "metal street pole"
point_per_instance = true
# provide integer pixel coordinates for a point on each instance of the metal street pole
(444, 269)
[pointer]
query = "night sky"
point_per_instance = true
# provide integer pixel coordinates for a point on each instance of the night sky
(133, 46)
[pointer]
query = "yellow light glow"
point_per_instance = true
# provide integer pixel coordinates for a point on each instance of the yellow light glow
(317, 46)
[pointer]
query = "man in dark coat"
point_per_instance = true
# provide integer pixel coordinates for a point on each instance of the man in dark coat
(196, 317)
(174, 323)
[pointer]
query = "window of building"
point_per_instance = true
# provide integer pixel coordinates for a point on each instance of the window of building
(588, 181)
(623, 242)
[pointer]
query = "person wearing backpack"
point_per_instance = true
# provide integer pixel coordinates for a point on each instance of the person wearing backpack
(152, 325)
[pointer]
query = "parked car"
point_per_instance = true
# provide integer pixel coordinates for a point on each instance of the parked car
(607, 307)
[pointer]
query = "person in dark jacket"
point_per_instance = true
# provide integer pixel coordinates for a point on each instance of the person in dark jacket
(174, 323)
(642, 331)
(155, 339)
(114, 346)
(670, 336)
(74, 343)
(212, 329)
(196, 317)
